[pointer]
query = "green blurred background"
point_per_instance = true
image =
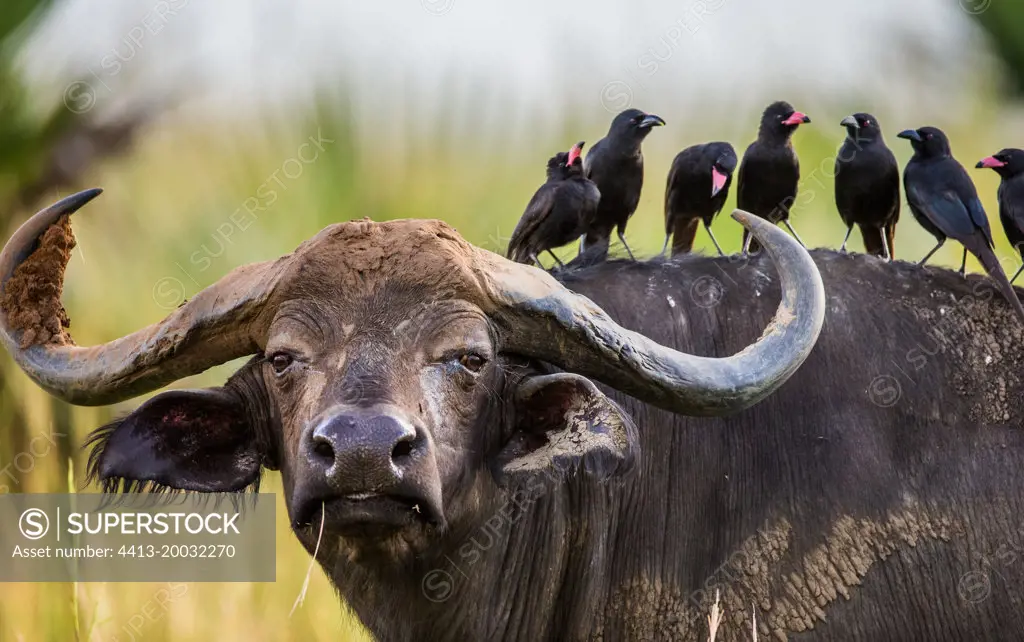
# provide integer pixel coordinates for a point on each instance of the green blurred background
(190, 114)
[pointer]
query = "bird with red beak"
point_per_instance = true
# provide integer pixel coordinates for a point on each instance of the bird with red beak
(1009, 164)
(796, 118)
(770, 170)
(696, 171)
(560, 212)
(574, 155)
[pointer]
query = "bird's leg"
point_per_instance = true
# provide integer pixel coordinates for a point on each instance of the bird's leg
(963, 265)
(849, 231)
(1017, 273)
(664, 248)
(557, 260)
(583, 243)
(793, 232)
(622, 237)
(934, 250)
(885, 246)
(890, 242)
(536, 261)
(714, 240)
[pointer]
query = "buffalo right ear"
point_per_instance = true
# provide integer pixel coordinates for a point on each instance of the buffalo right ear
(197, 440)
(564, 423)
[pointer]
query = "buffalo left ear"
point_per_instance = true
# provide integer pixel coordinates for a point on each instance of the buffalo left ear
(563, 423)
(198, 440)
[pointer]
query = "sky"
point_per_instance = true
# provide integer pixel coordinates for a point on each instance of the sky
(527, 60)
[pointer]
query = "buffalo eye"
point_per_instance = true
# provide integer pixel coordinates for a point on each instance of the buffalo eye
(280, 362)
(472, 362)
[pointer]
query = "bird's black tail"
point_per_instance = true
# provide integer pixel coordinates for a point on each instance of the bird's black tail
(979, 247)
(518, 254)
(597, 244)
(592, 255)
(874, 240)
(683, 235)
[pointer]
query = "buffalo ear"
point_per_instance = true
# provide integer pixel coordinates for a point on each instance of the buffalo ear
(563, 423)
(197, 440)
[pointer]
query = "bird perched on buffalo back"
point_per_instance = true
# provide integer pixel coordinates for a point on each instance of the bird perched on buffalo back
(698, 185)
(616, 166)
(560, 211)
(1009, 164)
(770, 171)
(868, 185)
(945, 202)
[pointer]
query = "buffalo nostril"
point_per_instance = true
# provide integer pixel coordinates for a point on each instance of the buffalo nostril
(401, 450)
(323, 449)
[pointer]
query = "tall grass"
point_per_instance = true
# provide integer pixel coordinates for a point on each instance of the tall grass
(164, 229)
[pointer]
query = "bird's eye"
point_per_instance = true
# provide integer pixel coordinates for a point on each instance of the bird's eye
(280, 362)
(472, 361)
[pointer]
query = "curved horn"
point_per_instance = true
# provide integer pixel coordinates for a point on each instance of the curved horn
(220, 323)
(542, 319)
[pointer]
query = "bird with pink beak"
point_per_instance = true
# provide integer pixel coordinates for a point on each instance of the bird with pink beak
(770, 171)
(797, 118)
(990, 162)
(1009, 164)
(561, 210)
(718, 179)
(574, 154)
(694, 171)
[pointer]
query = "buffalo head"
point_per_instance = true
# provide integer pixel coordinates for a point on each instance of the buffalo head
(399, 374)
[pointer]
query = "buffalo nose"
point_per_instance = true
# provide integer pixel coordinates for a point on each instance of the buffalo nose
(362, 453)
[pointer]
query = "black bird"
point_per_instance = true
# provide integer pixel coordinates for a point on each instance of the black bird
(616, 166)
(945, 202)
(770, 170)
(1009, 164)
(560, 211)
(868, 185)
(698, 185)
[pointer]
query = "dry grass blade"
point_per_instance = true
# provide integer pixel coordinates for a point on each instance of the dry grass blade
(309, 572)
(714, 619)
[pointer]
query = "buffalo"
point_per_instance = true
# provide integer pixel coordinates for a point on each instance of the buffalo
(494, 453)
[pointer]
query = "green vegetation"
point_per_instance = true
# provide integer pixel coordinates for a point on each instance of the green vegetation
(1003, 21)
